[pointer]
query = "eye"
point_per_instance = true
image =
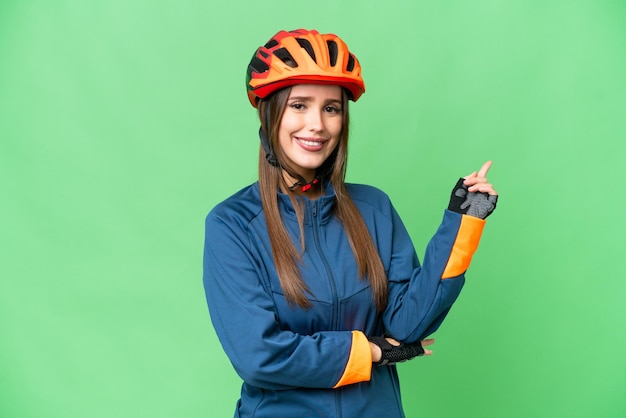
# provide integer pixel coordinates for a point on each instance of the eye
(297, 105)
(332, 109)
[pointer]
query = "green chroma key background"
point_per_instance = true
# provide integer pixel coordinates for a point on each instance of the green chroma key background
(122, 123)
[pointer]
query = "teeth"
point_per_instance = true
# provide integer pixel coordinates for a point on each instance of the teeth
(311, 143)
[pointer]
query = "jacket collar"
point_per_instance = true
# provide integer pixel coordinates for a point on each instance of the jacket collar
(321, 208)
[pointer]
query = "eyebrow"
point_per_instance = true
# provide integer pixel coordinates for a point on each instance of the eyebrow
(309, 98)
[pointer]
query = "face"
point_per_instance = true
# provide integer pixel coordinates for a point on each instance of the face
(310, 126)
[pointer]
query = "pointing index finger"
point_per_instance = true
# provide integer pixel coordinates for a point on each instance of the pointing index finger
(484, 169)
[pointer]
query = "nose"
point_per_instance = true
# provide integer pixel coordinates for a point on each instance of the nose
(315, 120)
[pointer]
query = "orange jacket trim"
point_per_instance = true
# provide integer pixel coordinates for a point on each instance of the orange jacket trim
(359, 367)
(465, 245)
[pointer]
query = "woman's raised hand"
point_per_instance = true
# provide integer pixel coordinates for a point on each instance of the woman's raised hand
(474, 195)
(477, 182)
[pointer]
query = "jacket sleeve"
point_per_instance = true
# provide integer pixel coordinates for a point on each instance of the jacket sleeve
(420, 296)
(243, 314)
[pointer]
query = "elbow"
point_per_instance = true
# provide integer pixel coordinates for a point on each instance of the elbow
(256, 375)
(408, 335)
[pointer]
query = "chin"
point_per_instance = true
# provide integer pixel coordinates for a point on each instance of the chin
(311, 166)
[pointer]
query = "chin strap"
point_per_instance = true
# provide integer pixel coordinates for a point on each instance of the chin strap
(305, 186)
(270, 156)
(269, 153)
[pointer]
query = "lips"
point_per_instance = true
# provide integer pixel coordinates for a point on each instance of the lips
(310, 144)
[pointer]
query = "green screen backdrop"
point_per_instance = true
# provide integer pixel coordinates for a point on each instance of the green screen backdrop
(122, 123)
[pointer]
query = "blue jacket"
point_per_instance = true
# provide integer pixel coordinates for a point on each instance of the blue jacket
(317, 362)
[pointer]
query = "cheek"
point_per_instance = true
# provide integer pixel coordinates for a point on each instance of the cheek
(335, 139)
(283, 133)
(283, 139)
(288, 125)
(335, 128)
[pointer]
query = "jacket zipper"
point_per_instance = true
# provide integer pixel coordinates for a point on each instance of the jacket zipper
(333, 289)
(329, 271)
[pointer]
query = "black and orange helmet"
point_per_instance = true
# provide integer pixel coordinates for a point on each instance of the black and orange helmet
(302, 56)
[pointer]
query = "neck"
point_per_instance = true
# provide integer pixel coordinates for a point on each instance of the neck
(311, 187)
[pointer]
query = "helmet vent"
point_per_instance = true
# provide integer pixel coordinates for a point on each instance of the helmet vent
(307, 47)
(258, 66)
(350, 65)
(285, 57)
(332, 52)
(271, 43)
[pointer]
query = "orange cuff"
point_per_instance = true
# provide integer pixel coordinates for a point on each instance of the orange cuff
(464, 247)
(359, 367)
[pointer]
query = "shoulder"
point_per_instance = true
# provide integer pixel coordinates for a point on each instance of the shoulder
(367, 194)
(370, 198)
(239, 209)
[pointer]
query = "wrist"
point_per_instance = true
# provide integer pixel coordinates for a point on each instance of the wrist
(376, 352)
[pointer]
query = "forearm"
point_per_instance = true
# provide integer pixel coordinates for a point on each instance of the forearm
(420, 298)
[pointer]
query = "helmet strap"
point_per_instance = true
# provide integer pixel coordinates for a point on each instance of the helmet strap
(305, 186)
(270, 156)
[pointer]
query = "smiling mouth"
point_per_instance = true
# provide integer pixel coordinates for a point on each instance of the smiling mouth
(311, 144)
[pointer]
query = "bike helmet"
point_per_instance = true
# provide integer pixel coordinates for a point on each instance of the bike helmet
(302, 56)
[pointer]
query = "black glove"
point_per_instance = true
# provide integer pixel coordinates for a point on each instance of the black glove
(393, 354)
(479, 205)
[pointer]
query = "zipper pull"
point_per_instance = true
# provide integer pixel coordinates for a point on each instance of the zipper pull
(314, 208)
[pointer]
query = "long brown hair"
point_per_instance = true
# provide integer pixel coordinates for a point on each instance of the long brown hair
(271, 179)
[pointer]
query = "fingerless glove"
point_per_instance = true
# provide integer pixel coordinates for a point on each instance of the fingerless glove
(393, 354)
(479, 205)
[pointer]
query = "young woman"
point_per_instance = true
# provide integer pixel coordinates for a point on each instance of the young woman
(313, 285)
